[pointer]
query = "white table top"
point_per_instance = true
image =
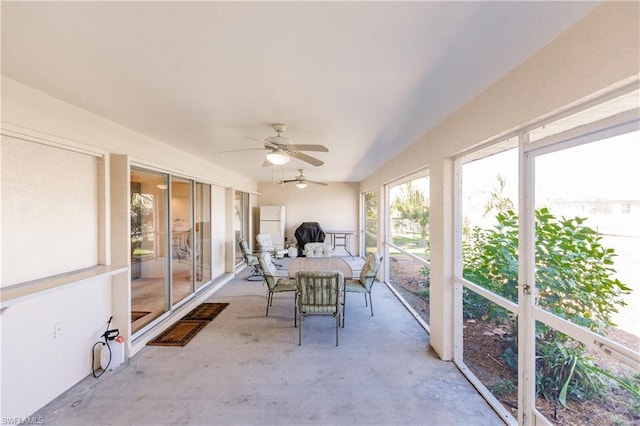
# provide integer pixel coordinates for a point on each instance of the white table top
(320, 264)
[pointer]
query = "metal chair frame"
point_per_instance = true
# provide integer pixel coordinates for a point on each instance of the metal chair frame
(250, 260)
(277, 284)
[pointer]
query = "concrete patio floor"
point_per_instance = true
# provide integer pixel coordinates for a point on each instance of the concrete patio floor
(247, 369)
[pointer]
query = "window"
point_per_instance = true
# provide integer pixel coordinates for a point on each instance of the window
(408, 247)
(370, 222)
(588, 256)
(489, 206)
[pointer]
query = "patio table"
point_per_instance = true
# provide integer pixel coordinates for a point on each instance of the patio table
(320, 264)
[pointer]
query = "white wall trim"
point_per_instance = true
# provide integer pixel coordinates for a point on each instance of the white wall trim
(23, 133)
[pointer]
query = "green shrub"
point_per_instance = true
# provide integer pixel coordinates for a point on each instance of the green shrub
(574, 280)
(502, 387)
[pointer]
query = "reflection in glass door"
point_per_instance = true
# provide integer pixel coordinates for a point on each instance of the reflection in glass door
(182, 247)
(149, 266)
(203, 234)
(241, 222)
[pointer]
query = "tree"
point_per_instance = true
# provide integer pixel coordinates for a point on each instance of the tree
(497, 201)
(411, 206)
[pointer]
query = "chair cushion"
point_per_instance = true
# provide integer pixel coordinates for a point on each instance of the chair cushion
(317, 250)
(285, 284)
(319, 291)
(367, 276)
(268, 264)
(370, 267)
(355, 286)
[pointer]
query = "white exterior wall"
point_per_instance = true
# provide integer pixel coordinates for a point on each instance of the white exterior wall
(598, 52)
(35, 366)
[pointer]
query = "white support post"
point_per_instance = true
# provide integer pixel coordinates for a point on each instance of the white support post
(526, 287)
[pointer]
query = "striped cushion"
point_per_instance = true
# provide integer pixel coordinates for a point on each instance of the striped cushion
(319, 291)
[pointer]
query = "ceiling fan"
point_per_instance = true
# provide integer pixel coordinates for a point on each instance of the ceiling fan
(302, 181)
(282, 148)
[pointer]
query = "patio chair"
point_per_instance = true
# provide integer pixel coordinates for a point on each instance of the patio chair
(276, 284)
(318, 293)
(265, 244)
(250, 260)
(364, 283)
(317, 250)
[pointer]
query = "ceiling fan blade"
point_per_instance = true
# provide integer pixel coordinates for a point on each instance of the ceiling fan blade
(287, 181)
(306, 158)
(244, 149)
(266, 144)
(317, 148)
(317, 183)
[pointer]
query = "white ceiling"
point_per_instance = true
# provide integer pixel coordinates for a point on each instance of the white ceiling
(365, 79)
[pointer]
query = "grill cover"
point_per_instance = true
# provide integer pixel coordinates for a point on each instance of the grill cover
(308, 232)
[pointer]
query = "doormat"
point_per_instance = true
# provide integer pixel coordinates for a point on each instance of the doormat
(179, 333)
(136, 315)
(205, 311)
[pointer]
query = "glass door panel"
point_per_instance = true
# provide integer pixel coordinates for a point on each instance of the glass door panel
(241, 223)
(203, 234)
(182, 247)
(149, 263)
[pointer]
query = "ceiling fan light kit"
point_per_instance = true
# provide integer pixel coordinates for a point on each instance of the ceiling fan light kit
(277, 158)
(301, 181)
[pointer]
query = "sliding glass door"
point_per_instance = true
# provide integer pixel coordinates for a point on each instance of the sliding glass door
(170, 243)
